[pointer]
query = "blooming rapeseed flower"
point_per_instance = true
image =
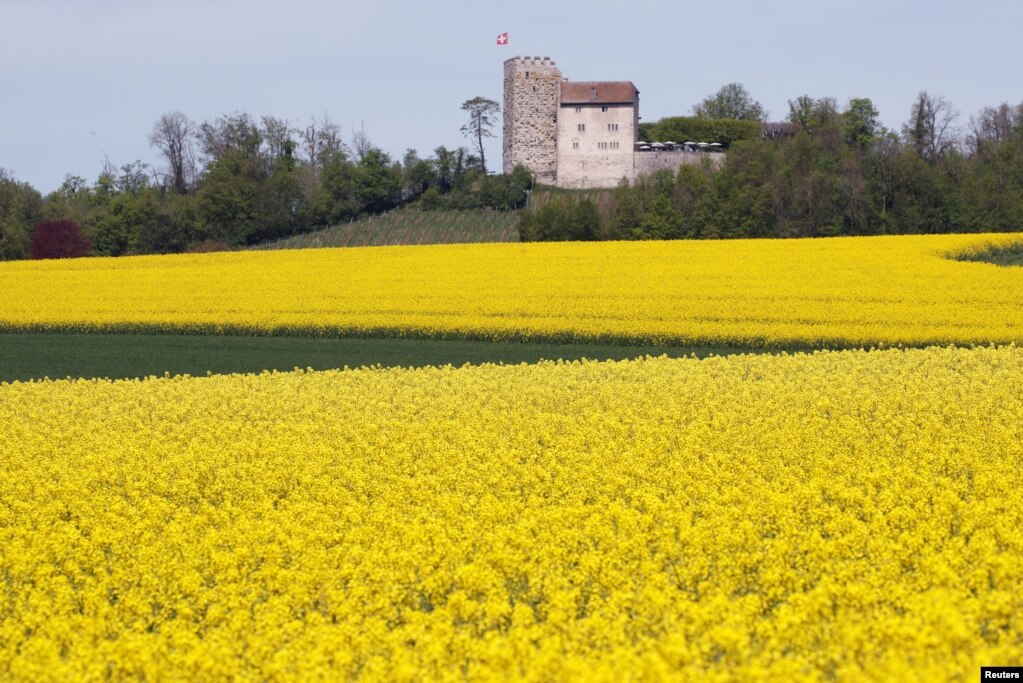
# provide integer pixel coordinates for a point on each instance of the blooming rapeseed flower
(837, 515)
(855, 291)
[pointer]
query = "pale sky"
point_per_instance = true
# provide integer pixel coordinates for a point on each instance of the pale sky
(83, 80)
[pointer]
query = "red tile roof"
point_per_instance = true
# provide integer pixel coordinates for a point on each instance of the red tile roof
(598, 92)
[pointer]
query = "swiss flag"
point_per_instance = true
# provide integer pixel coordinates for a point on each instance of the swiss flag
(502, 39)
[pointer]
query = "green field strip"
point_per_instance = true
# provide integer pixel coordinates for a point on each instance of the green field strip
(558, 339)
(27, 356)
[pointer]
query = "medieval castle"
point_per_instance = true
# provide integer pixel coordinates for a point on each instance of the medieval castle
(581, 134)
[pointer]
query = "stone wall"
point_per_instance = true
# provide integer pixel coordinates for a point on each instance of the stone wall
(646, 163)
(595, 144)
(532, 93)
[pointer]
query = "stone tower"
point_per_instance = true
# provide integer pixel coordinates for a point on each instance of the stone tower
(532, 95)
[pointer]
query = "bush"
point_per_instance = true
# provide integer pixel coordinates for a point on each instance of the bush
(692, 128)
(561, 219)
(60, 238)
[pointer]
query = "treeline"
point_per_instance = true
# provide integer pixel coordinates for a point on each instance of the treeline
(237, 181)
(823, 172)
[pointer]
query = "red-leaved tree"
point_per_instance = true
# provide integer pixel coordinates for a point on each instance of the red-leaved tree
(58, 239)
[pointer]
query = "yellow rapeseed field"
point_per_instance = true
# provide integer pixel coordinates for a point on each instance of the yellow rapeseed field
(846, 291)
(833, 516)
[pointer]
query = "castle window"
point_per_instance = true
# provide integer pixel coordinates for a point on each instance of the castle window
(578, 110)
(527, 74)
(581, 127)
(612, 126)
(575, 144)
(604, 108)
(534, 88)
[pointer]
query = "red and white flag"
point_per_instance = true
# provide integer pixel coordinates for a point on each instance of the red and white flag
(502, 39)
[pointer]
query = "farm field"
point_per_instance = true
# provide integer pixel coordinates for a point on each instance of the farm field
(27, 356)
(841, 515)
(840, 505)
(841, 292)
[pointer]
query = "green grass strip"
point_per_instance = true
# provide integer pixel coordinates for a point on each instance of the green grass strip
(558, 339)
(32, 355)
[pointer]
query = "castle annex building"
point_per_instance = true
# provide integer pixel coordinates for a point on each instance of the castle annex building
(576, 134)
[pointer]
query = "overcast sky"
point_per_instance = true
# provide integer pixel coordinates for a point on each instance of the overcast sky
(81, 80)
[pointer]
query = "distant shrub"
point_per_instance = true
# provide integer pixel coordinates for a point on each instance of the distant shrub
(58, 239)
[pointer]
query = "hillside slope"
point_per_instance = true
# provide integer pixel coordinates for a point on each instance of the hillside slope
(410, 227)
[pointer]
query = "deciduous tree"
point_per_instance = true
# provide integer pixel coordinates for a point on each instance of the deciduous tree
(860, 123)
(236, 132)
(278, 138)
(173, 135)
(361, 144)
(321, 140)
(994, 125)
(58, 239)
(813, 114)
(931, 126)
(20, 209)
(732, 101)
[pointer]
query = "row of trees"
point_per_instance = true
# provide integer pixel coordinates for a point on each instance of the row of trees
(238, 180)
(826, 171)
(932, 128)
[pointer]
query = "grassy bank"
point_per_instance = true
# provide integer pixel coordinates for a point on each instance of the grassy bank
(38, 355)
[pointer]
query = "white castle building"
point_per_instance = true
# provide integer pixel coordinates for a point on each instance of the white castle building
(576, 134)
